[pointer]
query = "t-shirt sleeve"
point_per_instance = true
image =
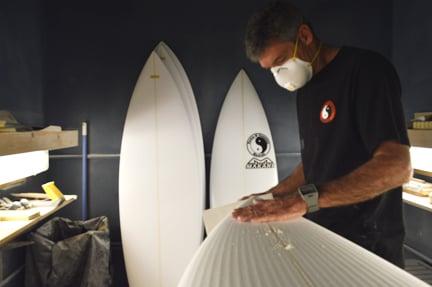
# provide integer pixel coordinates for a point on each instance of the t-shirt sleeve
(378, 107)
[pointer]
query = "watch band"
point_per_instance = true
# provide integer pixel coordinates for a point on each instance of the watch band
(310, 195)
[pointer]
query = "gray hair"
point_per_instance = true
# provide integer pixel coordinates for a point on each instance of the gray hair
(277, 21)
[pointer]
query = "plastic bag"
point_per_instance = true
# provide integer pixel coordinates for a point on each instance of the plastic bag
(69, 253)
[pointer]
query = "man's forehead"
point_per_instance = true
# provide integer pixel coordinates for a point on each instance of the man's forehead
(274, 50)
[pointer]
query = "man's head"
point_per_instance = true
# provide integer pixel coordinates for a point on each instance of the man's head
(271, 35)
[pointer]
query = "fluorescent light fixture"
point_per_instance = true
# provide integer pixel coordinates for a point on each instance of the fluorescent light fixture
(18, 166)
(421, 158)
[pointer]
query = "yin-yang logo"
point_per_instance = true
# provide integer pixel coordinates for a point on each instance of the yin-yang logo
(258, 145)
(328, 112)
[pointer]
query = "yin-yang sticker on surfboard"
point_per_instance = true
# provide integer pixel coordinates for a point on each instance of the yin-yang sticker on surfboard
(243, 156)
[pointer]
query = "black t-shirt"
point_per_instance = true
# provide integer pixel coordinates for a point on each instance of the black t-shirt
(345, 112)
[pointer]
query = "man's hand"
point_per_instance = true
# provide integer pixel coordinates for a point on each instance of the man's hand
(256, 194)
(272, 210)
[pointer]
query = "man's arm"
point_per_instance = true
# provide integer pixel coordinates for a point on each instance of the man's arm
(389, 167)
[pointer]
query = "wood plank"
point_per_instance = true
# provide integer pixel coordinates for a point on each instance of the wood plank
(417, 201)
(17, 215)
(31, 195)
(423, 172)
(19, 142)
(9, 230)
(12, 184)
(420, 138)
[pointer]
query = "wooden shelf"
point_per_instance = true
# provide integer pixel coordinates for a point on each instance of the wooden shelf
(417, 201)
(423, 172)
(10, 230)
(20, 142)
(420, 138)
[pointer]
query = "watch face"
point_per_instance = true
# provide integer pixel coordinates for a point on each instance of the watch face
(310, 188)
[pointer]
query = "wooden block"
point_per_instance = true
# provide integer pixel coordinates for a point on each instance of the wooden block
(420, 138)
(18, 215)
(422, 193)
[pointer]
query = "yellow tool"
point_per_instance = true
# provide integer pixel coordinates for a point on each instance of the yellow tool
(52, 191)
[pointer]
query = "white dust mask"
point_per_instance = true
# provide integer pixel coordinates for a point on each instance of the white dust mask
(294, 73)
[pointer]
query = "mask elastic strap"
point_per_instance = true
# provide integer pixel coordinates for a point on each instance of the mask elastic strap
(317, 53)
(295, 47)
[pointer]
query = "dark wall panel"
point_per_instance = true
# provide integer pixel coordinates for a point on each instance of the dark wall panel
(412, 45)
(21, 81)
(95, 53)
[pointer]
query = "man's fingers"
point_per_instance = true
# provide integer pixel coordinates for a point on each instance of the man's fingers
(262, 208)
(267, 210)
(254, 195)
(243, 214)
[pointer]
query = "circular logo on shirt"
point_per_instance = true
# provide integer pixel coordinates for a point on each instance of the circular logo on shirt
(258, 145)
(328, 112)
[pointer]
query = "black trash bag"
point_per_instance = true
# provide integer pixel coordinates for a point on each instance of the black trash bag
(69, 253)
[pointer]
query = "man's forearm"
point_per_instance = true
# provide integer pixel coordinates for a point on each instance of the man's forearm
(290, 184)
(382, 173)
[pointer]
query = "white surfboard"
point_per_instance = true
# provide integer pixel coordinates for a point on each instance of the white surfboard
(179, 76)
(243, 156)
(160, 192)
(293, 253)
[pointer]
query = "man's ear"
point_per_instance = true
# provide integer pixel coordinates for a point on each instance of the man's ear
(306, 35)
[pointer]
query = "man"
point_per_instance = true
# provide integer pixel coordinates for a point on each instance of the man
(354, 145)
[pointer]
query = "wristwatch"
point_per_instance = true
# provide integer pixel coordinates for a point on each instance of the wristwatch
(309, 193)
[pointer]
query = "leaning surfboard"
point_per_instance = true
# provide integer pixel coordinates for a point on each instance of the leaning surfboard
(160, 192)
(181, 79)
(293, 253)
(243, 156)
